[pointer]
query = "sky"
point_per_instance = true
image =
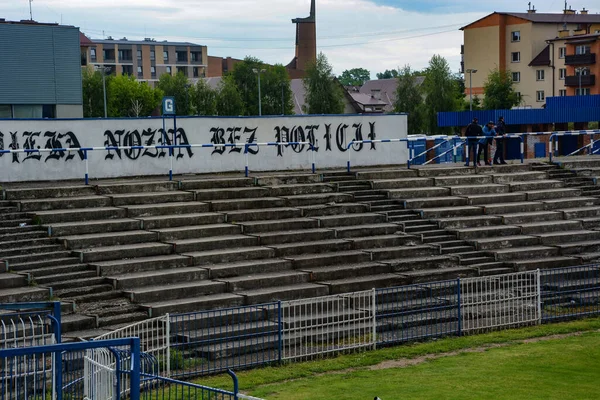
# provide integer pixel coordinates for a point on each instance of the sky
(372, 34)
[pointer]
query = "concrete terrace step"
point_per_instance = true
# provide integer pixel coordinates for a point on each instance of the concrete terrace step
(519, 177)
(333, 272)
(141, 264)
(322, 246)
(524, 253)
(570, 202)
(446, 212)
(151, 198)
(304, 235)
(172, 221)
(323, 210)
(264, 280)
(350, 219)
(213, 243)
(292, 292)
(127, 186)
(263, 214)
(551, 194)
(79, 214)
(101, 226)
(372, 242)
(35, 257)
(230, 255)
(592, 246)
(46, 192)
(529, 217)
(487, 231)
(550, 226)
(108, 239)
(270, 179)
(175, 291)
(416, 277)
(250, 227)
(9, 281)
(355, 284)
(247, 204)
(123, 252)
(197, 231)
(198, 303)
(385, 174)
(462, 180)
(421, 263)
(24, 294)
(44, 263)
(415, 193)
(159, 277)
(433, 202)
(215, 183)
(402, 252)
(491, 188)
(543, 263)
(353, 231)
(298, 189)
(315, 199)
(404, 183)
(8, 245)
(64, 203)
(146, 210)
(506, 242)
(583, 212)
(57, 270)
(443, 170)
(469, 222)
(485, 199)
(553, 238)
(518, 207)
(230, 193)
(535, 185)
(27, 249)
(228, 270)
(590, 223)
(301, 262)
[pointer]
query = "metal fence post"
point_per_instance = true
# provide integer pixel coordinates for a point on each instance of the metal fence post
(279, 331)
(522, 149)
(87, 167)
(236, 388)
(168, 340)
(374, 311)
(459, 307)
(57, 315)
(135, 369)
(246, 171)
(538, 276)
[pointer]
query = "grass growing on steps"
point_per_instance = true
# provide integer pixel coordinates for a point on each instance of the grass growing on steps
(251, 379)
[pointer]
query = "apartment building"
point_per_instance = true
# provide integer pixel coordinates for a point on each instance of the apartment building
(535, 47)
(40, 72)
(147, 60)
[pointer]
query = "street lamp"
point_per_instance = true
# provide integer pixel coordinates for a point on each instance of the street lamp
(104, 71)
(471, 72)
(258, 72)
(579, 71)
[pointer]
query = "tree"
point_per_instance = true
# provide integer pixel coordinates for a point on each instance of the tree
(203, 99)
(93, 93)
(441, 93)
(272, 81)
(229, 100)
(178, 87)
(354, 77)
(130, 98)
(388, 74)
(323, 93)
(409, 99)
(499, 92)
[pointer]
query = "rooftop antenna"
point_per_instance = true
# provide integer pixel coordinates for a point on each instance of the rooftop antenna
(30, 12)
(529, 4)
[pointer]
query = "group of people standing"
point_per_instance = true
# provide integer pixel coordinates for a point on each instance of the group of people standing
(483, 137)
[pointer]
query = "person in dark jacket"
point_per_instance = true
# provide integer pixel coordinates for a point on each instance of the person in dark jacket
(500, 131)
(472, 132)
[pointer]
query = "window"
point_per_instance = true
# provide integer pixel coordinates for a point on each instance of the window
(153, 70)
(127, 69)
(165, 56)
(125, 55)
(182, 70)
(93, 54)
(562, 92)
(582, 92)
(516, 76)
(140, 71)
(196, 56)
(152, 55)
(540, 75)
(139, 54)
(516, 36)
(583, 49)
(515, 57)
(540, 96)
(518, 95)
(181, 56)
(196, 74)
(562, 73)
(562, 52)
(109, 55)
(169, 70)
(582, 71)
(5, 111)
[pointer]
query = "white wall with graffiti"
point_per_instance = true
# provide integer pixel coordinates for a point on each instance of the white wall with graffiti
(330, 136)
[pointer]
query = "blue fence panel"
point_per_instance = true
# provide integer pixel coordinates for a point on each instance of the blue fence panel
(420, 311)
(216, 340)
(553, 103)
(417, 147)
(29, 324)
(568, 293)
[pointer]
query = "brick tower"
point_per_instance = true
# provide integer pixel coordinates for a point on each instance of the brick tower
(306, 44)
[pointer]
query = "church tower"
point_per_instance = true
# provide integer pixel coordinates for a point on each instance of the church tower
(306, 44)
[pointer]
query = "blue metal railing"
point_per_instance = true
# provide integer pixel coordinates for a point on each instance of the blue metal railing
(161, 388)
(553, 141)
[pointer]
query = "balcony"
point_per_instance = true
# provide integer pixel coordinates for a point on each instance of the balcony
(586, 80)
(581, 59)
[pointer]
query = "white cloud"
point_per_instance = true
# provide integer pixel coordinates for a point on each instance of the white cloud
(351, 23)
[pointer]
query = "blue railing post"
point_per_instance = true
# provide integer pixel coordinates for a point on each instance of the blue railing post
(236, 387)
(135, 377)
(57, 315)
(85, 157)
(171, 151)
(246, 170)
(459, 307)
(522, 149)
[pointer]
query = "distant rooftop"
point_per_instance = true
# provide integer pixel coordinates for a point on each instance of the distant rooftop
(548, 18)
(32, 22)
(148, 41)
